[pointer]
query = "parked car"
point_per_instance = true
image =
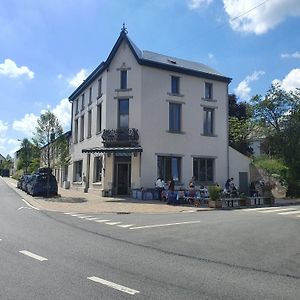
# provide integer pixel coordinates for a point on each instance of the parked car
(38, 185)
(24, 182)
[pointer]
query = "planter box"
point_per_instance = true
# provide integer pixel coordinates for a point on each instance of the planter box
(214, 204)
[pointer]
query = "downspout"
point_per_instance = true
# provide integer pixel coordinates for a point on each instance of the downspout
(227, 130)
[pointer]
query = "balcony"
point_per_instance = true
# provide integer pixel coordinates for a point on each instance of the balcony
(120, 137)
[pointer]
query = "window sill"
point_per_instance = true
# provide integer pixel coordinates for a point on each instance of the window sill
(99, 96)
(209, 99)
(123, 90)
(98, 132)
(175, 94)
(97, 183)
(176, 132)
(209, 135)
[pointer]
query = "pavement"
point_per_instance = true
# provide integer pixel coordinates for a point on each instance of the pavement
(80, 202)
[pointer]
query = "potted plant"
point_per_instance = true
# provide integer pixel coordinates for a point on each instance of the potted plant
(214, 196)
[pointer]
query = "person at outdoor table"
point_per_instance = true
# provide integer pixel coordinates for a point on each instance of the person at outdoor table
(160, 185)
(171, 186)
(192, 181)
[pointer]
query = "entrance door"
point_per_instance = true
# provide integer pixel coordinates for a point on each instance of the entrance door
(243, 182)
(122, 175)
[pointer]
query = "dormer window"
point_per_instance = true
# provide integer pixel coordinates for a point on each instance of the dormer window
(172, 61)
(123, 79)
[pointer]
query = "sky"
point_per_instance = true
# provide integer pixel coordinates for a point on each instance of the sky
(48, 47)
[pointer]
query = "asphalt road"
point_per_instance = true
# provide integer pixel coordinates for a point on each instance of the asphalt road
(241, 254)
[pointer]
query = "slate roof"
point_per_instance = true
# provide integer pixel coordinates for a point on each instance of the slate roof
(154, 60)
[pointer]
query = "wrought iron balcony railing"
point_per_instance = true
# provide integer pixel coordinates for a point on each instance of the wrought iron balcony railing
(120, 137)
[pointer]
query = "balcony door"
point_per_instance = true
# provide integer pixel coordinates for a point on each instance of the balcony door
(122, 175)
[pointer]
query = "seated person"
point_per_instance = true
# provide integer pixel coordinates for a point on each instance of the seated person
(181, 196)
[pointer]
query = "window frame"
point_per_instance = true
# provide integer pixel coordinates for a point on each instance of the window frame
(98, 175)
(208, 91)
(77, 166)
(99, 118)
(99, 87)
(175, 117)
(123, 114)
(208, 121)
(175, 85)
(90, 115)
(123, 79)
(168, 161)
(81, 137)
(197, 169)
(82, 102)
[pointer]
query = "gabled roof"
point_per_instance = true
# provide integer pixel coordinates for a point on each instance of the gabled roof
(152, 59)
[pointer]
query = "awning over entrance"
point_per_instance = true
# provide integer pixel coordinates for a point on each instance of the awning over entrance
(115, 150)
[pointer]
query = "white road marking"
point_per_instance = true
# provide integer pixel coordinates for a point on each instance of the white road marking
(91, 219)
(101, 221)
(258, 208)
(0, 240)
(162, 225)
(276, 210)
(23, 207)
(188, 211)
(84, 217)
(32, 255)
(29, 204)
(76, 215)
(68, 213)
(290, 212)
(113, 223)
(126, 226)
(113, 285)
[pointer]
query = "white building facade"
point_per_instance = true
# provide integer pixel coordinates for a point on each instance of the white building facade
(141, 115)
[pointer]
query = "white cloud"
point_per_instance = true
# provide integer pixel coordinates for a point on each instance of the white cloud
(291, 81)
(59, 76)
(258, 16)
(3, 127)
(9, 68)
(291, 55)
(195, 4)
(78, 78)
(26, 125)
(63, 112)
(243, 89)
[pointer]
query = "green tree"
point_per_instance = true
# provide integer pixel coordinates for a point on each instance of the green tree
(47, 131)
(240, 125)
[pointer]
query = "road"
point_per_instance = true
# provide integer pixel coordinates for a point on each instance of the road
(240, 254)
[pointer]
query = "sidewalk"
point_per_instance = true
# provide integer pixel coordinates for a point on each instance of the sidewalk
(79, 202)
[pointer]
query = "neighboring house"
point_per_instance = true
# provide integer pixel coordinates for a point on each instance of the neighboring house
(2, 159)
(140, 115)
(59, 171)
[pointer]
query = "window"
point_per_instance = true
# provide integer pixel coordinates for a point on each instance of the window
(77, 176)
(90, 95)
(174, 85)
(76, 106)
(203, 169)
(99, 87)
(89, 134)
(208, 90)
(76, 131)
(123, 79)
(98, 169)
(99, 117)
(174, 117)
(81, 128)
(82, 102)
(169, 167)
(208, 124)
(123, 119)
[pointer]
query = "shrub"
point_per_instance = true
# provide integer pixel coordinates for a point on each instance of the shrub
(214, 192)
(272, 166)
